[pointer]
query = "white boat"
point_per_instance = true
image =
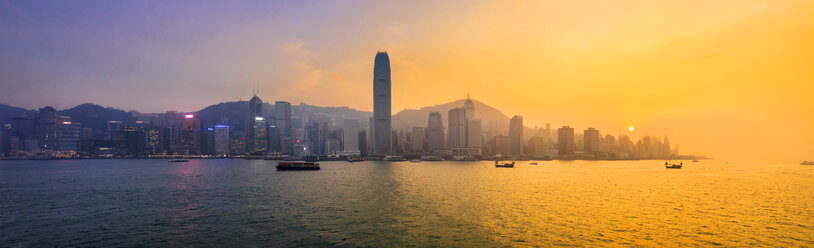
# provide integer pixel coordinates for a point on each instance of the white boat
(415, 160)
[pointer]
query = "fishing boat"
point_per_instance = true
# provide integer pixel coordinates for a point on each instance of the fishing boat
(695, 160)
(500, 164)
(669, 165)
(177, 160)
(533, 163)
(807, 163)
(297, 165)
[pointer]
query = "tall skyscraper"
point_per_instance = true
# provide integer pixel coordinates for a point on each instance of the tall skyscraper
(591, 140)
(45, 128)
(565, 140)
(222, 140)
(435, 132)
(190, 131)
(456, 136)
(516, 134)
(255, 122)
(417, 140)
(381, 104)
(473, 133)
(469, 106)
(282, 124)
(68, 136)
(350, 136)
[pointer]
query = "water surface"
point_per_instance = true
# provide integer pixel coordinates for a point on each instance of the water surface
(154, 203)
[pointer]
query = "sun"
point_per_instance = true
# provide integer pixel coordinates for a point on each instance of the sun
(630, 129)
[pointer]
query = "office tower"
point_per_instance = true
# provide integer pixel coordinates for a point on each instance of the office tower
(189, 135)
(113, 128)
(362, 142)
(45, 129)
(666, 152)
(456, 131)
(69, 136)
(282, 124)
(417, 140)
(370, 132)
(591, 140)
(435, 132)
(260, 136)
(314, 138)
(516, 134)
(503, 145)
(350, 136)
(255, 122)
(381, 104)
(565, 140)
(473, 133)
(469, 106)
(132, 141)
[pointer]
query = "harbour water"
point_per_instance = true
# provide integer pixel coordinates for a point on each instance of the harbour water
(222, 202)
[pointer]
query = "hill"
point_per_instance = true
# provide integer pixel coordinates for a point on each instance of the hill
(492, 119)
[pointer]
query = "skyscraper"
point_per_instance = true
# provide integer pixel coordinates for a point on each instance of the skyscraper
(469, 106)
(417, 140)
(68, 136)
(282, 124)
(591, 140)
(435, 132)
(350, 136)
(565, 140)
(473, 133)
(189, 135)
(45, 129)
(516, 134)
(255, 112)
(222, 140)
(456, 136)
(381, 103)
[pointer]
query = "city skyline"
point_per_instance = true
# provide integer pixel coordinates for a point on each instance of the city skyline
(716, 78)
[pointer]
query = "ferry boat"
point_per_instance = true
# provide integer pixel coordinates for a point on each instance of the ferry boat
(669, 165)
(395, 158)
(807, 163)
(297, 165)
(498, 164)
(415, 160)
(178, 160)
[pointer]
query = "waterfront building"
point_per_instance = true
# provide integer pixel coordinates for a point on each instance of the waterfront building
(417, 140)
(283, 129)
(456, 128)
(350, 136)
(381, 104)
(565, 140)
(591, 141)
(45, 129)
(516, 134)
(435, 132)
(69, 136)
(189, 135)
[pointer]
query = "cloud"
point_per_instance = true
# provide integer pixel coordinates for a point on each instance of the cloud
(396, 28)
(338, 78)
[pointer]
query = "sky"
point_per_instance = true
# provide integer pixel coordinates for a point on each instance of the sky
(728, 79)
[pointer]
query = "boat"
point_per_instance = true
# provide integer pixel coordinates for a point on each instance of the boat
(395, 158)
(533, 163)
(415, 160)
(297, 165)
(669, 165)
(695, 160)
(176, 160)
(498, 164)
(807, 163)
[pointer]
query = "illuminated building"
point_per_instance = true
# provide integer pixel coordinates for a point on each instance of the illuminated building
(69, 136)
(189, 135)
(222, 140)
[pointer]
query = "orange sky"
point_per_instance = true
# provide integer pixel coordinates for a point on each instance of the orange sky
(731, 79)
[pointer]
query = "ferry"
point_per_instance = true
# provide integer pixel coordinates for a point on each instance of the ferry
(415, 160)
(178, 160)
(297, 165)
(504, 165)
(669, 165)
(807, 163)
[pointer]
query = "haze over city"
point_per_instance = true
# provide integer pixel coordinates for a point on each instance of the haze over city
(726, 79)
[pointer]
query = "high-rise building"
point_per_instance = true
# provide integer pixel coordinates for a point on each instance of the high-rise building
(473, 133)
(417, 140)
(69, 136)
(456, 128)
(565, 140)
(222, 140)
(591, 140)
(503, 145)
(516, 134)
(189, 140)
(381, 104)
(469, 106)
(350, 136)
(282, 124)
(45, 128)
(362, 142)
(315, 138)
(255, 119)
(435, 132)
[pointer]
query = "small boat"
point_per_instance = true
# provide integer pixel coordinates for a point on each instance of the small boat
(669, 165)
(297, 165)
(498, 164)
(533, 163)
(178, 160)
(394, 158)
(695, 160)
(415, 160)
(807, 163)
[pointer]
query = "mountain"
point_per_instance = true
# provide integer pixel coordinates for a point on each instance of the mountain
(491, 118)
(237, 113)
(96, 117)
(7, 112)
